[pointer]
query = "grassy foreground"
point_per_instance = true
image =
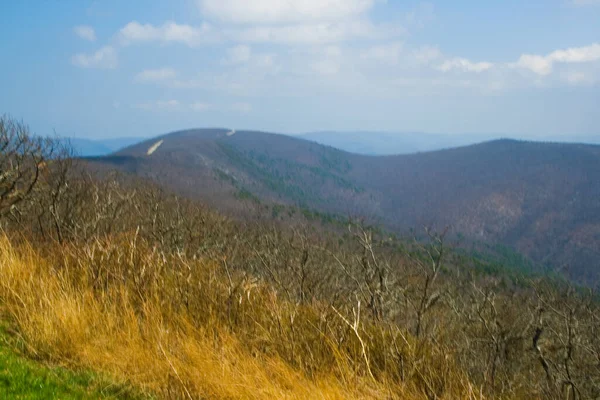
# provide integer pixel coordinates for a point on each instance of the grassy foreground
(131, 313)
(21, 378)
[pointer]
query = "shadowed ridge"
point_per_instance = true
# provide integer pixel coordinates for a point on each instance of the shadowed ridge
(540, 199)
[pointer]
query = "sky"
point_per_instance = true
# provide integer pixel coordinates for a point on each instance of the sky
(112, 68)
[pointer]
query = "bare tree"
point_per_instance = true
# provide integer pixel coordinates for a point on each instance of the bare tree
(429, 268)
(23, 158)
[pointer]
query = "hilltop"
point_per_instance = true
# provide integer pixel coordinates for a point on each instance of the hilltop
(393, 143)
(541, 199)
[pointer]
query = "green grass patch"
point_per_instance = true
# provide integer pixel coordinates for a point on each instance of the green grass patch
(22, 378)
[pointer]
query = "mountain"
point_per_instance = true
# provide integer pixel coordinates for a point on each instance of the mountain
(89, 147)
(540, 199)
(392, 143)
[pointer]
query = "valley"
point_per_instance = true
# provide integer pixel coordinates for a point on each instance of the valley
(540, 199)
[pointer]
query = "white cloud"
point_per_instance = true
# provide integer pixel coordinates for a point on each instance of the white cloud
(156, 75)
(427, 83)
(284, 11)
(537, 64)
(305, 34)
(577, 54)
(85, 32)
(298, 22)
(308, 33)
(542, 65)
(248, 66)
(105, 58)
(462, 64)
(316, 33)
(159, 105)
(169, 32)
(238, 54)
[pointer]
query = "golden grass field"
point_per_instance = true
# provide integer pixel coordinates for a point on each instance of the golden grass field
(177, 328)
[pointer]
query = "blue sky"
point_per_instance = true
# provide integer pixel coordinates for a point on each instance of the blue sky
(114, 68)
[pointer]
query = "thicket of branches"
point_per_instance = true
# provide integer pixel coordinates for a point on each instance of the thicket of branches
(397, 311)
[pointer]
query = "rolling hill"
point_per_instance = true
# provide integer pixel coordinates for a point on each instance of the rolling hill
(393, 143)
(541, 199)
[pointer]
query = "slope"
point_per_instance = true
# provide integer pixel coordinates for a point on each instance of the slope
(26, 379)
(542, 199)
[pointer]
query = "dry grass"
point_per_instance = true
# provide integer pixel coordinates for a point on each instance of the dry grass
(182, 328)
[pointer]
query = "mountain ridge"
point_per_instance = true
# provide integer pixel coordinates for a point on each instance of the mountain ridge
(395, 143)
(541, 199)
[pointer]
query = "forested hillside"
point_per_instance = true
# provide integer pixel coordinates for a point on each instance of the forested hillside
(116, 274)
(539, 199)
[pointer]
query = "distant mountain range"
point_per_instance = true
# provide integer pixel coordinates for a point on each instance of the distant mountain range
(387, 143)
(359, 142)
(540, 199)
(391, 143)
(100, 147)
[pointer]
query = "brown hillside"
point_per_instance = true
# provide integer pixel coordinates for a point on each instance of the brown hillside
(542, 199)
